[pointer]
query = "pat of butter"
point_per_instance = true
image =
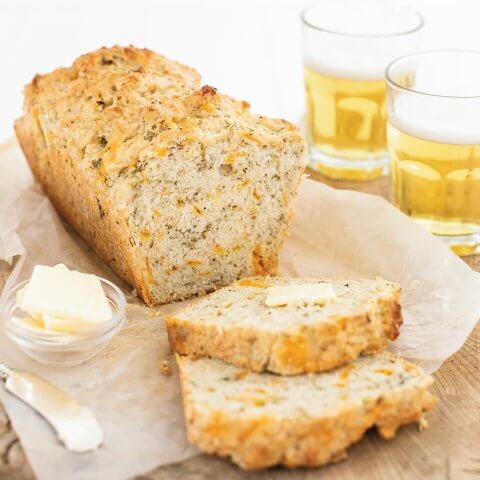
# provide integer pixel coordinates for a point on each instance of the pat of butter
(313, 293)
(64, 300)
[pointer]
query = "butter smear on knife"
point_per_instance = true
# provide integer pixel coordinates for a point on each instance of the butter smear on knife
(63, 300)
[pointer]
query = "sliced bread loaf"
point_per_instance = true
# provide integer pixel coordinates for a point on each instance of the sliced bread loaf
(179, 188)
(261, 420)
(235, 325)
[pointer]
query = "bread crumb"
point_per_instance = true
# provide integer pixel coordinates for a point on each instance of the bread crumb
(134, 292)
(165, 367)
(422, 424)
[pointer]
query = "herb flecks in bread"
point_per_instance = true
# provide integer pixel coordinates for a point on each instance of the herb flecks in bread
(261, 420)
(235, 325)
(178, 187)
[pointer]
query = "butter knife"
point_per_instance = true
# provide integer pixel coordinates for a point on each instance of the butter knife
(76, 425)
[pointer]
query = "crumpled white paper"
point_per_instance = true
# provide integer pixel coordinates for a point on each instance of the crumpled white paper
(334, 234)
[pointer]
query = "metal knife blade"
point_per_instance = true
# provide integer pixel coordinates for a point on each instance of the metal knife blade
(76, 425)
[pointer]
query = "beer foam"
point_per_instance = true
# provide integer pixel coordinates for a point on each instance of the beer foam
(436, 126)
(358, 40)
(444, 106)
(358, 72)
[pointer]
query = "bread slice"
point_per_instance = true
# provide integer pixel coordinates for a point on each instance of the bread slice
(261, 420)
(179, 188)
(234, 325)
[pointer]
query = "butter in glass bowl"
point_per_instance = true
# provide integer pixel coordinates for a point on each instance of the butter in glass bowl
(61, 316)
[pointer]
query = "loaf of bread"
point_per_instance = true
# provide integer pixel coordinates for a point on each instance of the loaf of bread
(261, 420)
(235, 325)
(178, 187)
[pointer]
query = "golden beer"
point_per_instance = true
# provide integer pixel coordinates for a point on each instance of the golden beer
(348, 44)
(346, 119)
(437, 184)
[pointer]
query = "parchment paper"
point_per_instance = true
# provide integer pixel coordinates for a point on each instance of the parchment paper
(334, 234)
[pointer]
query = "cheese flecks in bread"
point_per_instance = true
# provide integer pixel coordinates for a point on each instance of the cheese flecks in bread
(261, 420)
(178, 187)
(314, 293)
(234, 325)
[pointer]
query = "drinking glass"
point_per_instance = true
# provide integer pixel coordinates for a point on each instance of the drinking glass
(347, 46)
(433, 133)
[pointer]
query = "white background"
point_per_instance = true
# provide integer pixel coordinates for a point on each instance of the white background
(248, 49)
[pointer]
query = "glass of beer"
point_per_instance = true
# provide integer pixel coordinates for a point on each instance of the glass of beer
(347, 46)
(433, 132)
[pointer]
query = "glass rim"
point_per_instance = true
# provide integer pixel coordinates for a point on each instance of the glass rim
(419, 26)
(392, 83)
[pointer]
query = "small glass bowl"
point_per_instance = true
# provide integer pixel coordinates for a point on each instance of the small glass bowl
(62, 349)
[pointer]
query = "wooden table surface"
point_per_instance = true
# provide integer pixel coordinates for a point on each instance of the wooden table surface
(449, 449)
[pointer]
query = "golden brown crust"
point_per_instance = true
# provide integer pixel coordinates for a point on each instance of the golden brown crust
(116, 253)
(163, 92)
(315, 347)
(396, 315)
